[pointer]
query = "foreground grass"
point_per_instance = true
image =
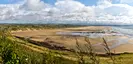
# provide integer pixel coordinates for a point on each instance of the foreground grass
(13, 51)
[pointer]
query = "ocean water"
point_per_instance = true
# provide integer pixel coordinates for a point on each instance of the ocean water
(126, 30)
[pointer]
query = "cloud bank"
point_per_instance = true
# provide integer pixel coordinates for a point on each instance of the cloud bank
(67, 11)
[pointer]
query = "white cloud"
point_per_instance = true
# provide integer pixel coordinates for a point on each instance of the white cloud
(126, 1)
(34, 4)
(69, 5)
(67, 11)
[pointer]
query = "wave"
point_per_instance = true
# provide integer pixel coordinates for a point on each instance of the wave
(126, 30)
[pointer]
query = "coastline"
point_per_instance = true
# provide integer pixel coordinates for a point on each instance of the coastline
(51, 37)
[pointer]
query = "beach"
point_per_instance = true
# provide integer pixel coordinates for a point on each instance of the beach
(67, 38)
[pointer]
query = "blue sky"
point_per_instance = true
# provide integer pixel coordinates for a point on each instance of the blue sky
(9, 1)
(86, 2)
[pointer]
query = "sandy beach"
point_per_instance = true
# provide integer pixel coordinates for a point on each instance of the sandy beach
(68, 41)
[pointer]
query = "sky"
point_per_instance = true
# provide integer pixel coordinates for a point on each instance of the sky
(86, 2)
(100, 12)
(52, 2)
